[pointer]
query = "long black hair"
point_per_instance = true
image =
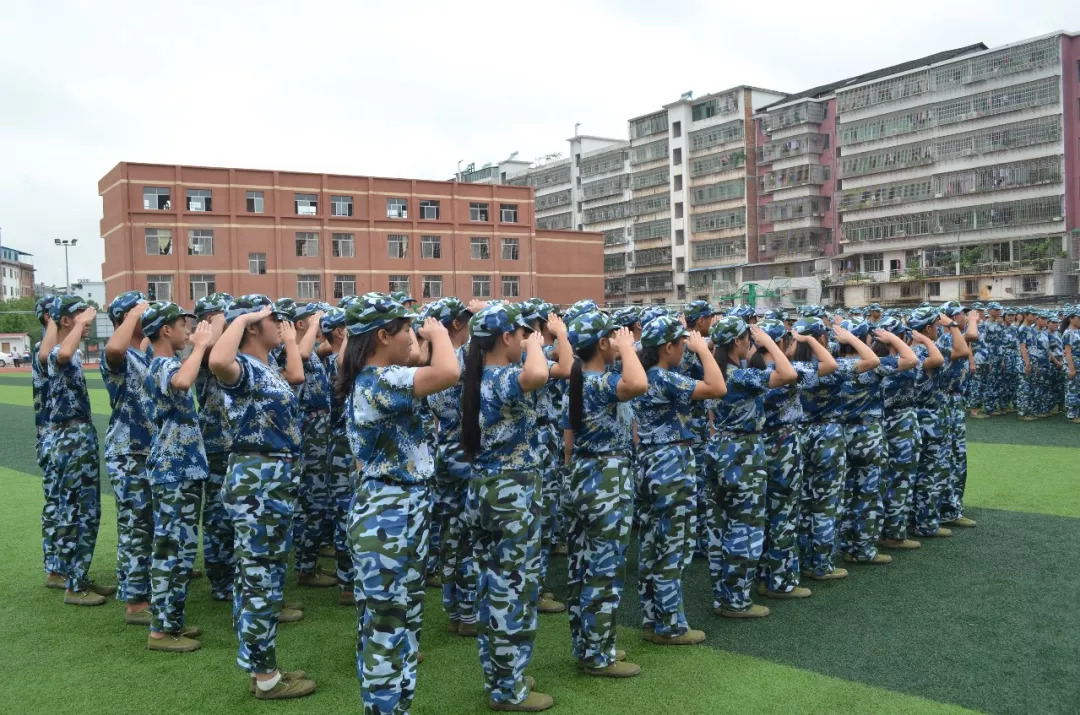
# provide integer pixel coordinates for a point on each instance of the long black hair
(649, 356)
(358, 349)
(880, 349)
(470, 393)
(723, 352)
(577, 385)
(757, 360)
(803, 352)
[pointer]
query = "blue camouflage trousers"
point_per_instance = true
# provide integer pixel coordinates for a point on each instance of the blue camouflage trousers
(903, 439)
(217, 530)
(50, 507)
(78, 490)
(934, 465)
(313, 495)
(134, 526)
(452, 475)
(599, 510)
(735, 465)
(1072, 393)
(860, 521)
(779, 565)
(503, 509)
(342, 482)
(952, 494)
(992, 379)
(553, 479)
(388, 532)
(176, 515)
(260, 495)
(1026, 393)
(705, 505)
(666, 496)
(824, 470)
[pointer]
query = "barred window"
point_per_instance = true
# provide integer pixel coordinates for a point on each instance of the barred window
(556, 222)
(397, 284)
(652, 229)
(479, 248)
(509, 249)
(653, 256)
(793, 209)
(723, 191)
(397, 246)
(159, 241)
(716, 106)
(611, 186)
(308, 286)
(1012, 60)
(793, 146)
(201, 285)
(794, 176)
(715, 163)
(650, 204)
(648, 179)
(720, 220)
(344, 245)
(307, 243)
(606, 213)
(714, 136)
(803, 113)
(344, 285)
(649, 152)
(725, 248)
(614, 262)
(431, 247)
(159, 287)
(432, 286)
(481, 286)
(646, 126)
(553, 200)
(200, 242)
(511, 286)
(601, 163)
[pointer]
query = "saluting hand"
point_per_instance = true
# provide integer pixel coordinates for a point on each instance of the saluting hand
(696, 342)
(556, 325)
(201, 337)
(622, 339)
(431, 328)
(288, 331)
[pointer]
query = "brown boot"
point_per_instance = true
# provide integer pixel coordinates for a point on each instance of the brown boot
(963, 522)
(534, 702)
(289, 675)
(290, 615)
(83, 598)
(327, 552)
(287, 689)
(138, 618)
(433, 581)
(941, 533)
(797, 592)
(55, 580)
(878, 560)
(617, 669)
(547, 604)
(620, 655)
(902, 544)
(834, 575)
(173, 643)
(755, 611)
(294, 605)
(101, 590)
(691, 637)
(315, 580)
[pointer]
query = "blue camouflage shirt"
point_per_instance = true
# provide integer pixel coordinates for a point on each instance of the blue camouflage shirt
(742, 409)
(1071, 338)
(507, 422)
(446, 407)
(1038, 347)
(691, 367)
(40, 377)
(898, 388)
(662, 413)
(822, 395)
(314, 393)
(68, 398)
(950, 376)
(213, 413)
(130, 428)
(177, 452)
(606, 420)
(782, 404)
(263, 410)
(337, 406)
(863, 397)
(386, 431)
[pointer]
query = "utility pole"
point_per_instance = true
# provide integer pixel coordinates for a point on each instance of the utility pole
(66, 243)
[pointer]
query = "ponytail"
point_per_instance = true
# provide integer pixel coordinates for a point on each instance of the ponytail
(358, 350)
(803, 352)
(649, 357)
(720, 354)
(577, 387)
(757, 360)
(470, 394)
(880, 349)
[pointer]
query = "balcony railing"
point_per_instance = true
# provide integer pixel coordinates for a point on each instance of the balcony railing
(794, 176)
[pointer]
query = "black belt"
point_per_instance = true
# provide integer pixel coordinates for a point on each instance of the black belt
(71, 421)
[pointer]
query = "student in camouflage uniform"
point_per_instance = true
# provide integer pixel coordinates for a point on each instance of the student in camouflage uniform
(667, 478)
(342, 474)
(127, 445)
(1056, 378)
(1035, 354)
(1070, 340)
(698, 316)
(388, 519)
(953, 378)
(992, 372)
(778, 570)
(177, 469)
(735, 463)
(74, 448)
(503, 502)
(217, 530)
(54, 577)
(597, 432)
(260, 489)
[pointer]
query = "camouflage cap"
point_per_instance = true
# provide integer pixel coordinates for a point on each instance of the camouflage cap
(811, 325)
(695, 310)
(625, 317)
(530, 309)
(661, 330)
(402, 297)
(213, 303)
(977, 305)
(121, 304)
(582, 306)
(994, 306)
(651, 313)
(160, 314)
(372, 311)
(346, 301)
(286, 307)
(774, 328)
(777, 314)
(892, 325)
(742, 312)
(66, 305)
(952, 308)
(250, 303)
(873, 307)
(331, 320)
(812, 311)
(497, 319)
(727, 330)
(303, 310)
(43, 307)
(587, 328)
(857, 327)
(922, 317)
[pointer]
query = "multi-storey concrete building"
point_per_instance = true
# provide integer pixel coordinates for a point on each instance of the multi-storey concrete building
(16, 273)
(181, 232)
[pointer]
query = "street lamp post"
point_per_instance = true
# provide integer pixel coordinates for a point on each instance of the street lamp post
(66, 243)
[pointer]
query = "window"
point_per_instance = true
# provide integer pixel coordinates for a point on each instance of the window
(799, 295)
(344, 285)
(159, 241)
(678, 209)
(873, 262)
(398, 284)
(343, 245)
(678, 182)
(875, 292)
(680, 237)
(481, 286)
(397, 246)
(510, 286)
(257, 264)
(1030, 284)
(308, 286)
(341, 206)
(306, 204)
(510, 249)
(159, 287)
(431, 247)
(199, 200)
(433, 286)
(397, 208)
(479, 248)
(307, 243)
(200, 242)
(478, 211)
(254, 202)
(201, 285)
(933, 288)
(680, 265)
(155, 199)
(676, 129)
(508, 213)
(429, 210)
(676, 156)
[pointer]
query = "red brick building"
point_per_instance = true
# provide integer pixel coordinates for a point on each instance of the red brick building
(181, 232)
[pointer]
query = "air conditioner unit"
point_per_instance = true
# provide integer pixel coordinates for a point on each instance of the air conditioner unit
(404, 214)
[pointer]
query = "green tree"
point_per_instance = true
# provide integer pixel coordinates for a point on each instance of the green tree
(17, 316)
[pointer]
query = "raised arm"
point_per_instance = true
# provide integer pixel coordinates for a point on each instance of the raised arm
(534, 374)
(633, 382)
(116, 348)
(184, 378)
(934, 358)
(972, 332)
(960, 348)
(48, 340)
(70, 342)
(867, 359)
(294, 363)
(563, 350)
(443, 371)
(826, 362)
(906, 354)
(223, 357)
(306, 343)
(783, 373)
(714, 386)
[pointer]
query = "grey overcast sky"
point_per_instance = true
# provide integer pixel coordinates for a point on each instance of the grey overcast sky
(400, 89)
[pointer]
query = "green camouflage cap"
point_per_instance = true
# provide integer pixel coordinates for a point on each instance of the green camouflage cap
(857, 327)
(372, 311)
(43, 307)
(121, 304)
(625, 317)
(727, 329)
(497, 319)
(250, 303)
(582, 306)
(66, 305)
(660, 331)
(813, 326)
(286, 307)
(922, 317)
(402, 297)
(587, 328)
(952, 308)
(651, 313)
(303, 310)
(332, 319)
(774, 328)
(213, 303)
(695, 310)
(160, 314)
